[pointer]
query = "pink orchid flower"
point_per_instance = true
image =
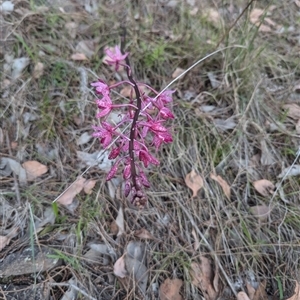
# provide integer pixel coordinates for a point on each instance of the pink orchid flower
(104, 132)
(115, 57)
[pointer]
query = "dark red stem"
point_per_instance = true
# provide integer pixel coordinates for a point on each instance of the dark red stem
(137, 111)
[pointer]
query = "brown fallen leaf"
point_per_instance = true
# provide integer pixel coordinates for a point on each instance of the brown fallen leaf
(255, 14)
(255, 18)
(89, 185)
(177, 72)
(293, 111)
(296, 295)
(68, 197)
(119, 267)
(5, 240)
(38, 70)
(260, 293)
(127, 92)
(264, 28)
(202, 277)
(250, 290)
(34, 169)
(169, 289)
(224, 185)
(242, 296)
(264, 187)
(78, 56)
(261, 211)
(71, 28)
(144, 234)
(213, 16)
(194, 181)
(114, 229)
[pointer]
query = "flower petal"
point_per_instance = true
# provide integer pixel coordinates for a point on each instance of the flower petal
(103, 113)
(112, 171)
(127, 172)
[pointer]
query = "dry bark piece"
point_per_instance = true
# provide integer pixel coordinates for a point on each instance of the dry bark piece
(169, 289)
(264, 187)
(120, 221)
(194, 181)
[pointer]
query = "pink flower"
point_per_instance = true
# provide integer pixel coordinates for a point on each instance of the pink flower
(166, 97)
(127, 188)
(146, 158)
(112, 171)
(162, 137)
(101, 87)
(136, 146)
(166, 113)
(105, 133)
(115, 56)
(114, 153)
(144, 179)
(127, 172)
(105, 104)
(154, 126)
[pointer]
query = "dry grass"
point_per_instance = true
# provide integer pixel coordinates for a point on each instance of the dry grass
(256, 78)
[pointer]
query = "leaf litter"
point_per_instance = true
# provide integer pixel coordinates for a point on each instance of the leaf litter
(140, 220)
